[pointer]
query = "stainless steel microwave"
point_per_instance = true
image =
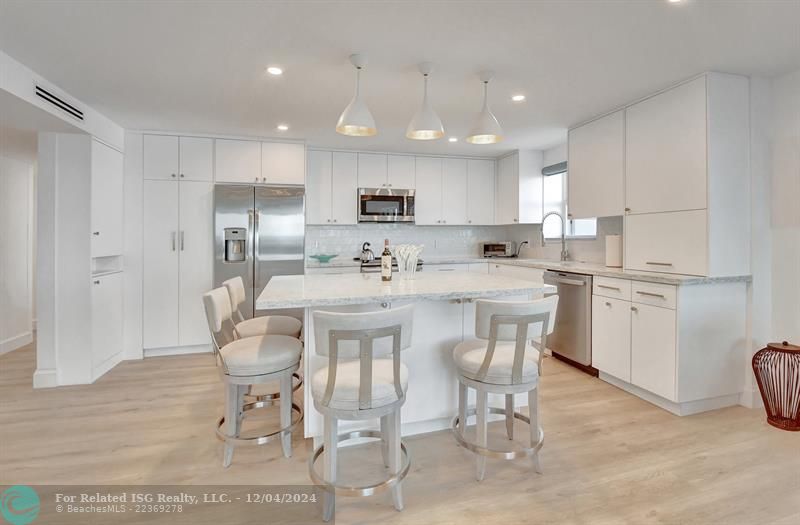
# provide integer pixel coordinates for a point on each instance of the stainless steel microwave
(385, 205)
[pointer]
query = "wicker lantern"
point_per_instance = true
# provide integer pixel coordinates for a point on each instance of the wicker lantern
(777, 370)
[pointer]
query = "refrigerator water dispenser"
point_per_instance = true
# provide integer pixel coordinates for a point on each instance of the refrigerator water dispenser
(235, 244)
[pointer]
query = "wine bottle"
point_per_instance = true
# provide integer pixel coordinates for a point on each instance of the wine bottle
(386, 262)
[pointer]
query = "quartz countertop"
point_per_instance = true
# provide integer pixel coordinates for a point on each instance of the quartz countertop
(304, 291)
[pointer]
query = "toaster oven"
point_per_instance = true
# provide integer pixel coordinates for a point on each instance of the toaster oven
(498, 249)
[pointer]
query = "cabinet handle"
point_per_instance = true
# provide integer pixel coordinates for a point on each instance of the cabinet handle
(446, 270)
(173, 241)
(95, 233)
(181, 240)
(469, 222)
(658, 263)
(608, 287)
(649, 294)
(173, 175)
(634, 309)
(516, 220)
(181, 175)
(444, 222)
(335, 220)
(389, 185)
(97, 282)
(456, 301)
(329, 220)
(627, 209)
(608, 304)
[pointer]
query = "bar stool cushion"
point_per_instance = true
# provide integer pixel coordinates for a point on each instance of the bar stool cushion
(254, 356)
(348, 373)
(270, 325)
(468, 357)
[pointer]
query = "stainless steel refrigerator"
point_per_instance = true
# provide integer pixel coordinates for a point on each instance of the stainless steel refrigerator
(259, 232)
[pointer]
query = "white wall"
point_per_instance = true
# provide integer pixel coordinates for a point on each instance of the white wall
(785, 216)
(16, 270)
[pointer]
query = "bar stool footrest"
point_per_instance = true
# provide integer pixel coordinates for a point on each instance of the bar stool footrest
(268, 400)
(366, 490)
(262, 439)
(494, 453)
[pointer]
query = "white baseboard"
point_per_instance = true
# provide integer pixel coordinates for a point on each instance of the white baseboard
(177, 350)
(751, 399)
(45, 378)
(105, 366)
(18, 341)
(686, 408)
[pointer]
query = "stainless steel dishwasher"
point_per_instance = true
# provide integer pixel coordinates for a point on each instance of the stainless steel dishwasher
(572, 336)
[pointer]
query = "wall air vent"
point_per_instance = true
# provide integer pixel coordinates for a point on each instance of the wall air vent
(57, 102)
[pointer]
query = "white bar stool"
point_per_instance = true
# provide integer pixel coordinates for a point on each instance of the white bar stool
(491, 364)
(244, 362)
(264, 325)
(359, 383)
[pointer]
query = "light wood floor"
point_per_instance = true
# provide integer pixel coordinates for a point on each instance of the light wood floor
(608, 456)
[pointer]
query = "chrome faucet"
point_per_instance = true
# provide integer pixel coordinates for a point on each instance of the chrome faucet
(564, 252)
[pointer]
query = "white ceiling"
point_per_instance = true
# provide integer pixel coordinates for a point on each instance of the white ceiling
(199, 66)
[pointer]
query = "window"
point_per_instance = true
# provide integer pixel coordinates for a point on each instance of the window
(554, 197)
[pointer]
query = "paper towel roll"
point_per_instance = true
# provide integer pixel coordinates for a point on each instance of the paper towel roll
(614, 251)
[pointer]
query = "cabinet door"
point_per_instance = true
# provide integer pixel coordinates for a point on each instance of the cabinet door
(665, 150)
(318, 189)
(238, 161)
(428, 196)
(344, 190)
(507, 202)
(611, 336)
(106, 317)
(454, 191)
(372, 170)
(283, 163)
(107, 200)
(197, 159)
(196, 249)
(160, 157)
(596, 166)
(447, 268)
(160, 264)
(667, 242)
(401, 172)
(480, 192)
(653, 349)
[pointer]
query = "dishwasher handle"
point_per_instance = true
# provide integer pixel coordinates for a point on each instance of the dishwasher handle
(571, 282)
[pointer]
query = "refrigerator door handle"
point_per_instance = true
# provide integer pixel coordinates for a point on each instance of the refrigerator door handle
(173, 241)
(256, 247)
(182, 243)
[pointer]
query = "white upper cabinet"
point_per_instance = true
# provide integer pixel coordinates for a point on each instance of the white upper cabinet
(171, 158)
(596, 168)
(665, 150)
(675, 242)
(480, 192)
(519, 188)
(454, 191)
(238, 161)
(106, 200)
(401, 172)
(283, 163)
(161, 158)
(344, 190)
(428, 196)
(318, 187)
(372, 170)
(196, 159)
(331, 191)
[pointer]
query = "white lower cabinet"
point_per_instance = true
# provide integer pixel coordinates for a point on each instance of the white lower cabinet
(652, 343)
(611, 339)
(518, 272)
(107, 307)
(446, 268)
(178, 258)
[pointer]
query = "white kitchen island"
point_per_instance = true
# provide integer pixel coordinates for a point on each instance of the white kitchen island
(444, 315)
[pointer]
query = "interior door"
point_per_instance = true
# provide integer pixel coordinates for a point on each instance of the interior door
(160, 264)
(196, 248)
(280, 235)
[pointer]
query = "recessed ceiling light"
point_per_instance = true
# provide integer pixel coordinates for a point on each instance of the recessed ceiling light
(283, 127)
(452, 139)
(274, 70)
(518, 98)
(673, 1)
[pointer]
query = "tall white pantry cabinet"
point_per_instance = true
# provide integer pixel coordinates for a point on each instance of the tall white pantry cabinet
(177, 241)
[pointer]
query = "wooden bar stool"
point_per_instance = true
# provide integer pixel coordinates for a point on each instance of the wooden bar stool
(493, 364)
(248, 361)
(361, 383)
(264, 325)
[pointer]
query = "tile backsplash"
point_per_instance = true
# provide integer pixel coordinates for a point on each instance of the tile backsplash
(454, 240)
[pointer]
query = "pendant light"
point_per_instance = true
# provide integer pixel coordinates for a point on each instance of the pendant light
(356, 120)
(426, 124)
(485, 129)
